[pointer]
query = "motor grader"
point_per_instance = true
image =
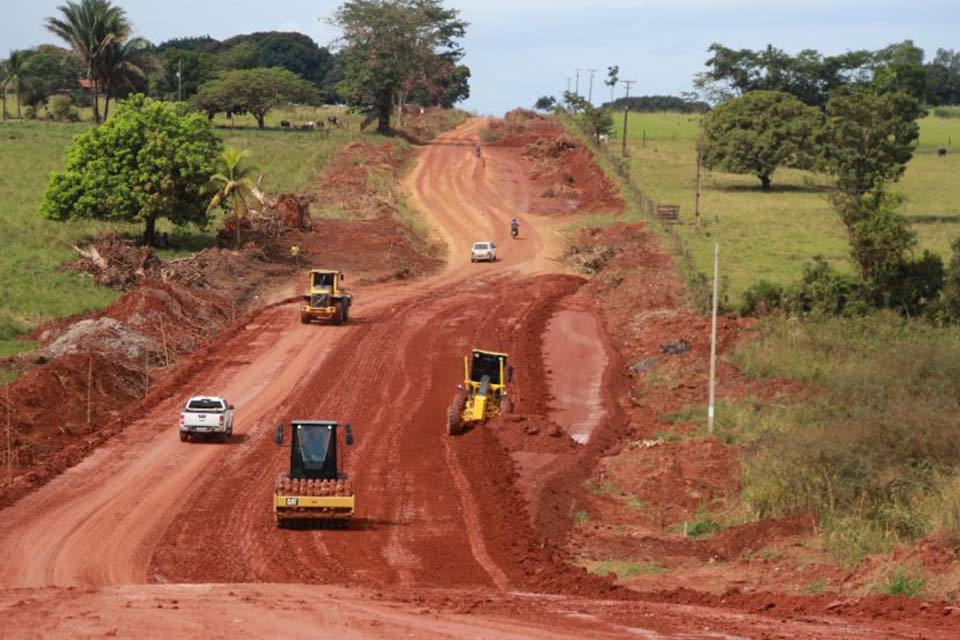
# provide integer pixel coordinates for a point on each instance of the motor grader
(325, 300)
(483, 393)
(315, 489)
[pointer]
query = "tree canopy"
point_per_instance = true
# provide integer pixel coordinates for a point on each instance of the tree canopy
(869, 137)
(759, 132)
(254, 91)
(393, 48)
(147, 162)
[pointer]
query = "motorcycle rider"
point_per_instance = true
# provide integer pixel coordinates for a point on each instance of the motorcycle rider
(514, 227)
(478, 151)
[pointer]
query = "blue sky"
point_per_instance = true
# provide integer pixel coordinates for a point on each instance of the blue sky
(521, 49)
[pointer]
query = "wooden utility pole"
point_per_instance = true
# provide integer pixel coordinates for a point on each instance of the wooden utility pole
(590, 91)
(711, 407)
(696, 207)
(626, 109)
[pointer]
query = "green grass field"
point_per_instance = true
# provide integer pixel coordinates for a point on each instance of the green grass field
(771, 235)
(35, 290)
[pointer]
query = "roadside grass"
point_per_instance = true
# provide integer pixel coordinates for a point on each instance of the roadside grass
(771, 235)
(35, 289)
(873, 450)
(902, 583)
(624, 568)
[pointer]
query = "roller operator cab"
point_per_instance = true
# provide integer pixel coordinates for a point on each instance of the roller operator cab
(326, 299)
(483, 394)
(315, 488)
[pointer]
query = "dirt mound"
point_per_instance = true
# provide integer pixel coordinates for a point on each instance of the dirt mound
(561, 166)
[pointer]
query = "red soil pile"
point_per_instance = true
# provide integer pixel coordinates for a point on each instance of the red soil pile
(561, 166)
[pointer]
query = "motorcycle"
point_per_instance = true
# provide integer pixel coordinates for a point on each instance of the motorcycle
(514, 232)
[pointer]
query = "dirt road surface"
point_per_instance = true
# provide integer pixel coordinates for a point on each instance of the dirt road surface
(157, 538)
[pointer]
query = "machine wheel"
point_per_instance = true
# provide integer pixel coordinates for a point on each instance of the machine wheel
(184, 437)
(340, 315)
(304, 318)
(224, 437)
(455, 414)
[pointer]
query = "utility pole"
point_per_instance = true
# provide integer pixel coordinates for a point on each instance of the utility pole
(590, 93)
(179, 74)
(696, 206)
(626, 109)
(577, 89)
(713, 342)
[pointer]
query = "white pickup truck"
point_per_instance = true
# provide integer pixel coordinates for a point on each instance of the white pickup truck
(207, 416)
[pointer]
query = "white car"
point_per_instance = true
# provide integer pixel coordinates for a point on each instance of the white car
(207, 416)
(485, 250)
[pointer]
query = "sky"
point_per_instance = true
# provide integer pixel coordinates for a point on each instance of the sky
(518, 50)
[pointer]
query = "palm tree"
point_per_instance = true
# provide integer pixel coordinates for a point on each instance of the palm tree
(123, 65)
(3, 90)
(13, 78)
(234, 184)
(91, 27)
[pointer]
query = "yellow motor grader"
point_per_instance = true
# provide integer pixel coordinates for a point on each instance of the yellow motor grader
(315, 490)
(325, 300)
(483, 393)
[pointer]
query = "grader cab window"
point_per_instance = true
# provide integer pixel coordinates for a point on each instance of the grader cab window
(323, 280)
(485, 364)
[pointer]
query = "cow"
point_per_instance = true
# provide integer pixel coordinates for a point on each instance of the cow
(335, 121)
(285, 124)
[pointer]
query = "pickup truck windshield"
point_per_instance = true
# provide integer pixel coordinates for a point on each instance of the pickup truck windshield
(481, 246)
(209, 406)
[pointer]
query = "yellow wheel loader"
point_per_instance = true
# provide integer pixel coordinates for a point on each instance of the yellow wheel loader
(325, 300)
(483, 393)
(315, 490)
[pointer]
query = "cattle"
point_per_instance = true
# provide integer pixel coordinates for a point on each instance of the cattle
(285, 124)
(942, 151)
(335, 121)
(603, 138)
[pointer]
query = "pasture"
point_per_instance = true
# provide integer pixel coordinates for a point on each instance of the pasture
(772, 235)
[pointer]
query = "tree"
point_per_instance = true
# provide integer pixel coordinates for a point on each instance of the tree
(392, 48)
(899, 67)
(759, 132)
(545, 103)
(124, 65)
(14, 77)
(60, 107)
(147, 162)
(234, 185)
(869, 137)
(596, 122)
(49, 70)
(256, 91)
(195, 68)
(943, 78)
(613, 76)
(90, 27)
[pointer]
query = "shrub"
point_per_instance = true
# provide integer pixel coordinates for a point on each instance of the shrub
(762, 298)
(824, 291)
(903, 584)
(59, 107)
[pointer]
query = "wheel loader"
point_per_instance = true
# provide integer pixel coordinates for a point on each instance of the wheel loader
(325, 300)
(315, 489)
(484, 390)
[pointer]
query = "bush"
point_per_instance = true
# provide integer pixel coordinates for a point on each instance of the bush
(824, 291)
(762, 298)
(59, 107)
(903, 584)
(947, 112)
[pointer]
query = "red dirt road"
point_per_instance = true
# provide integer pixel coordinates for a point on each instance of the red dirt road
(158, 538)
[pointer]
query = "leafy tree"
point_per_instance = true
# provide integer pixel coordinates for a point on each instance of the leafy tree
(545, 103)
(391, 48)
(194, 66)
(613, 76)
(951, 288)
(147, 162)
(943, 78)
(759, 132)
(90, 27)
(241, 55)
(256, 91)
(234, 185)
(869, 137)
(660, 103)
(899, 67)
(49, 70)
(14, 77)
(596, 122)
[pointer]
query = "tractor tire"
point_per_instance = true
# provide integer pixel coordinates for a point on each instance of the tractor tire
(304, 318)
(339, 316)
(455, 414)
